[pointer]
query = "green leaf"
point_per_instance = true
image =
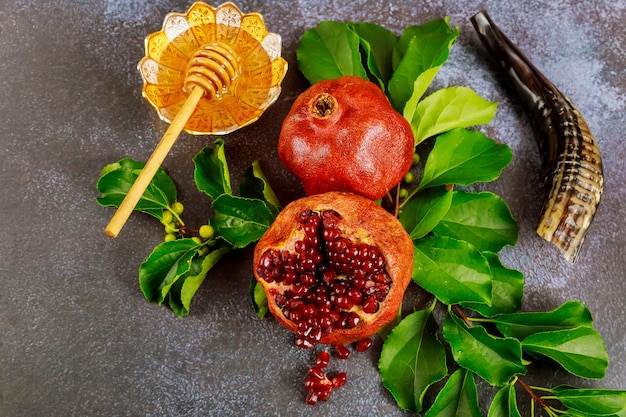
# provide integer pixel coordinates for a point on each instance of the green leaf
(187, 285)
(482, 219)
(255, 185)
(567, 316)
(258, 298)
(117, 178)
(494, 359)
(452, 270)
(507, 289)
(464, 157)
(167, 262)
(591, 400)
(241, 221)
(430, 34)
(447, 109)
(504, 403)
(412, 359)
(422, 213)
(329, 50)
(420, 85)
(211, 171)
(378, 44)
(580, 350)
(459, 397)
(420, 52)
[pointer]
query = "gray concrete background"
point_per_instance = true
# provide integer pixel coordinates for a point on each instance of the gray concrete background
(79, 339)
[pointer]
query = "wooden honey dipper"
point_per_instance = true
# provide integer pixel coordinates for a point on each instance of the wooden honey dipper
(209, 73)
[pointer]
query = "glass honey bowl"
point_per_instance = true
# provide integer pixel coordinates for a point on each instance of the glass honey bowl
(231, 56)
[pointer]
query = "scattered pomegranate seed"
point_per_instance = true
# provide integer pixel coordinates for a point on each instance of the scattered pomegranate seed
(311, 397)
(323, 359)
(339, 380)
(342, 352)
(319, 386)
(323, 393)
(304, 343)
(317, 373)
(363, 344)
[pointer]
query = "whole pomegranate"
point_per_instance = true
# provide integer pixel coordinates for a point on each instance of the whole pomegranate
(334, 267)
(343, 135)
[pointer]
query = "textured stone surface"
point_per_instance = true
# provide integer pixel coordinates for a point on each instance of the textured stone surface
(78, 338)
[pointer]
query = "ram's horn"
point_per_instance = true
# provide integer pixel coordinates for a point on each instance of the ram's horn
(570, 154)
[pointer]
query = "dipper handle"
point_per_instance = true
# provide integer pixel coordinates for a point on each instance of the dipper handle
(152, 165)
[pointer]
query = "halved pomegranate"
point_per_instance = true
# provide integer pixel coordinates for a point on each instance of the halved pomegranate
(334, 267)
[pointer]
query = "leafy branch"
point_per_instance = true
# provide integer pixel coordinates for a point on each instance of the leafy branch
(457, 236)
(176, 268)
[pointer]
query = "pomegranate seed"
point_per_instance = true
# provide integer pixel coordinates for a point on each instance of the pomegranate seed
(369, 266)
(359, 273)
(312, 241)
(322, 300)
(303, 343)
(303, 329)
(329, 276)
(339, 380)
(370, 305)
(353, 251)
(359, 282)
(281, 300)
(299, 290)
(307, 279)
(311, 398)
(339, 287)
(323, 392)
(335, 315)
(310, 229)
(341, 301)
(382, 278)
(351, 321)
(323, 359)
(355, 295)
(266, 260)
(329, 218)
(363, 344)
(316, 334)
(342, 244)
(289, 278)
(294, 315)
(342, 352)
(299, 246)
(310, 383)
(309, 310)
(331, 234)
(326, 322)
(324, 309)
(294, 304)
(317, 373)
(303, 216)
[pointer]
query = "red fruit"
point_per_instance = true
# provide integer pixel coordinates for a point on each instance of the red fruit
(344, 135)
(368, 249)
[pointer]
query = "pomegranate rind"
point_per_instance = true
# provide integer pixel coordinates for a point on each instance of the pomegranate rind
(362, 220)
(365, 146)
